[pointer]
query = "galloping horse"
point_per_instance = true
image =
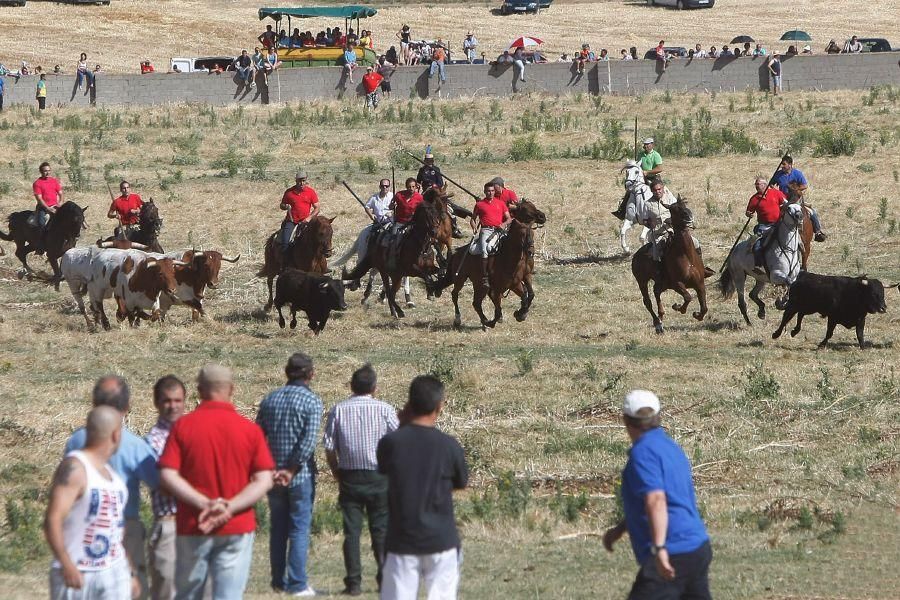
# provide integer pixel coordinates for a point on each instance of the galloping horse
(681, 267)
(639, 194)
(508, 270)
(147, 232)
(782, 259)
(415, 255)
(62, 232)
(309, 252)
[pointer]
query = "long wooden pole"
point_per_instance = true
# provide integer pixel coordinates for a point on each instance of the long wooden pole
(445, 176)
(361, 203)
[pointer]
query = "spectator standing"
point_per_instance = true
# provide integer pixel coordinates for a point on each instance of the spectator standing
(470, 45)
(604, 55)
(747, 51)
(713, 52)
(624, 55)
(391, 56)
(759, 51)
(385, 69)
(268, 38)
(437, 62)
(41, 93)
(775, 70)
(651, 161)
(633, 51)
(217, 466)
(349, 61)
(290, 418)
(854, 46)
(405, 38)
(82, 72)
(699, 52)
(133, 460)
(2, 84)
(518, 59)
(667, 534)
(661, 55)
(371, 80)
(352, 432)
(83, 522)
(168, 398)
(423, 466)
(244, 66)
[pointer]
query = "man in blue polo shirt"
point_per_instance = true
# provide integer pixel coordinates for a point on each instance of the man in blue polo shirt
(667, 534)
(793, 184)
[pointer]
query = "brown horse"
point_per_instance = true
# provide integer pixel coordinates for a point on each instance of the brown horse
(309, 252)
(508, 270)
(681, 268)
(415, 255)
(806, 236)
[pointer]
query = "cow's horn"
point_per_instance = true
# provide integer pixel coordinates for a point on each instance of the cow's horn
(323, 285)
(179, 263)
(231, 260)
(138, 246)
(151, 263)
(198, 252)
(864, 281)
(102, 244)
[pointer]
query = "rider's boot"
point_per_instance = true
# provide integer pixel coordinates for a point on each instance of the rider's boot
(820, 236)
(457, 232)
(485, 279)
(758, 258)
(619, 213)
(409, 301)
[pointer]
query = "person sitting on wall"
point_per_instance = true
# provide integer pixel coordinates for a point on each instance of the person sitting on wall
(146, 67)
(832, 48)
(792, 50)
(807, 49)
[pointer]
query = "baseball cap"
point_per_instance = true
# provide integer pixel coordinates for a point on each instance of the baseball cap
(301, 175)
(429, 155)
(635, 400)
(497, 181)
(648, 141)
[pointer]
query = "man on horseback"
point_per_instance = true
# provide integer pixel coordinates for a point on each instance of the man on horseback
(651, 161)
(766, 203)
(793, 184)
(429, 174)
(503, 193)
(302, 205)
(656, 219)
(49, 195)
(127, 209)
(492, 214)
(378, 206)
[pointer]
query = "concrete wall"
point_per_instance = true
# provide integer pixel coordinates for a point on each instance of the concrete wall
(629, 77)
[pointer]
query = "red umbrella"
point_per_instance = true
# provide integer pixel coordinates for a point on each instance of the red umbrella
(521, 42)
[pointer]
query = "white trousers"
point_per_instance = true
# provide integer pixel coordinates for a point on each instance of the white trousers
(113, 583)
(439, 572)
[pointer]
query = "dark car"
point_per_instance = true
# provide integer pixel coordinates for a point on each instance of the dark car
(13, 2)
(681, 4)
(875, 45)
(522, 6)
(676, 51)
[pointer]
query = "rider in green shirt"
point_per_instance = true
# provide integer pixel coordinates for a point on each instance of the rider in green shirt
(651, 161)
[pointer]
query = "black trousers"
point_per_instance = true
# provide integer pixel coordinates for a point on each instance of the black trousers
(691, 578)
(42, 102)
(363, 492)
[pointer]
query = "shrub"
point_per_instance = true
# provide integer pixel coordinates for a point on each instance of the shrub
(367, 164)
(78, 176)
(526, 148)
(759, 383)
(229, 161)
(440, 364)
(23, 539)
(327, 518)
(844, 141)
(525, 362)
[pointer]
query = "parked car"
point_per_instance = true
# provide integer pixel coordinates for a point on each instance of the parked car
(676, 51)
(875, 45)
(13, 2)
(681, 4)
(201, 65)
(523, 6)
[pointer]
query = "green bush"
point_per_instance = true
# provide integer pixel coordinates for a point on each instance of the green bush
(367, 164)
(760, 384)
(526, 148)
(76, 172)
(229, 161)
(327, 518)
(843, 141)
(22, 540)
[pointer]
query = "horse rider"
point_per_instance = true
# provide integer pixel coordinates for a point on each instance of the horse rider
(301, 204)
(651, 161)
(430, 174)
(793, 184)
(49, 195)
(492, 214)
(404, 204)
(504, 193)
(127, 209)
(766, 204)
(657, 218)
(378, 206)
(619, 213)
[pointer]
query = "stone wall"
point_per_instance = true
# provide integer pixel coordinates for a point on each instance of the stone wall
(617, 77)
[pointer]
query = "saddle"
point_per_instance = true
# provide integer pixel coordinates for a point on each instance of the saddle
(494, 242)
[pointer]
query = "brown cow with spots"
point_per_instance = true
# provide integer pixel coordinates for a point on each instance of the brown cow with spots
(199, 271)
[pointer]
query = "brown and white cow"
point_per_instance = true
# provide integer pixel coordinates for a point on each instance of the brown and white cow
(199, 270)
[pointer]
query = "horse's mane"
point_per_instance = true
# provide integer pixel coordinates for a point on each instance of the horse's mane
(150, 220)
(68, 219)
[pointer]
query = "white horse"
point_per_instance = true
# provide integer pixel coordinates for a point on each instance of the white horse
(639, 198)
(358, 248)
(782, 258)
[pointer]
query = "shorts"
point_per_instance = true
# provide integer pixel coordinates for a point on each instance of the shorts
(776, 79)
(385, 86)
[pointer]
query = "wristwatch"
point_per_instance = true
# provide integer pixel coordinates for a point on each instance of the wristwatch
(654, 549)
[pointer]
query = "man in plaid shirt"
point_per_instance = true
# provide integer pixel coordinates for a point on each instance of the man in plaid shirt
(290, 418)
(168, 397)
(352, 432)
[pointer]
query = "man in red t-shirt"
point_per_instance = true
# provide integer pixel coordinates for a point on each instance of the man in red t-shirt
(405, 203)
(501, 192)
(491, 214)
(217, 465)
(127, 209)
(766, 203)
(49, 196)
(302, 205)
(371, 80)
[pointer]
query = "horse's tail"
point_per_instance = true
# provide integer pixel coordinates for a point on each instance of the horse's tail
(726, 283)
(361, 268)
(7, 236)
(264, 271)
(351, 251)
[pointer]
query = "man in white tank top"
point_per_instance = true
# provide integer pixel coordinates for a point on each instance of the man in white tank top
(85, 520)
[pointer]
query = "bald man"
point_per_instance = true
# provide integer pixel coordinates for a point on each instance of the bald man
(84, 522)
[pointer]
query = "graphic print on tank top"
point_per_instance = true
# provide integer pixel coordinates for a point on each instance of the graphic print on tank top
(105, 514)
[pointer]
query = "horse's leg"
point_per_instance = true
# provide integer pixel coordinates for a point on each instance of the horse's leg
(477, 299)
(57, 274)
(526, 293)
(392, 285)
(368, 290)
(293, 317)
(658, 289)
(22, 254)
(648, 304)
(739, 277)
(406, 293)
(280, 317)
(754, 295)
(497, 298)
(626, 225)
(682, 289)
(700, 288)
(454, 294)
(269, 280)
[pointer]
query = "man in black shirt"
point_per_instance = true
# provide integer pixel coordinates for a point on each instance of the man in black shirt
(430, 174)
(423, 466)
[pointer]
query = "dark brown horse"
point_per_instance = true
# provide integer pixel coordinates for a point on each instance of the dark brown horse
(309, 252)
(508, 270)
(412, 255)
(62, 232)
(147, 232)
(681, 268)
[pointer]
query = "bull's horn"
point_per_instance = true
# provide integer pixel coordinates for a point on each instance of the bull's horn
(102, 244)
(137, 246)
(231, 260)
(151, 263)
(198, 252)
(179, 263)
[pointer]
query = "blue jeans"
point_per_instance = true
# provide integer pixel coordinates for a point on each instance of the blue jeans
(287, 232)
(81, 75)
(759, 229)
(223, 558)
(291, 518)
(437, 65)
(246, 73)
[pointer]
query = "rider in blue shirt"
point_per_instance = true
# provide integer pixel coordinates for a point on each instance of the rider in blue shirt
(793, 184)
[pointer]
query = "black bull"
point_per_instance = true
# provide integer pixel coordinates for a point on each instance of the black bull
(316, 295)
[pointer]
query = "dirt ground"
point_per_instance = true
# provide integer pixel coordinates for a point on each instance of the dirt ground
(119, 36)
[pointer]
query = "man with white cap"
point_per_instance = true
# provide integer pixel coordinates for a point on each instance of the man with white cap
(651, 161)
(667, 534)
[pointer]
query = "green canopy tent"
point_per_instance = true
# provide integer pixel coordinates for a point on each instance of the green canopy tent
(348, 13)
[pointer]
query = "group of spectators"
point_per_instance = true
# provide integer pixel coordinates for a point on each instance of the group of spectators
(331, 37)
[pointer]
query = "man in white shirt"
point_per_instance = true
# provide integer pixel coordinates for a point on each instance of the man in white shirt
(378, 206)
(469, 46)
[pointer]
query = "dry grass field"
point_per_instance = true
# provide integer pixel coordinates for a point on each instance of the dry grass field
(128, 31)
(795, 450)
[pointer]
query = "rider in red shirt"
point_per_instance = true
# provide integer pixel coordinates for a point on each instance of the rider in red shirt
(49, 195)
(501, 192)
(766, 203)
(491, 213)
(302, 204)
(126, 208)
(406, 201)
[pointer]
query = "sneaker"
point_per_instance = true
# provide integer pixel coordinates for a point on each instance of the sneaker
(305, 593)
(820, 236)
